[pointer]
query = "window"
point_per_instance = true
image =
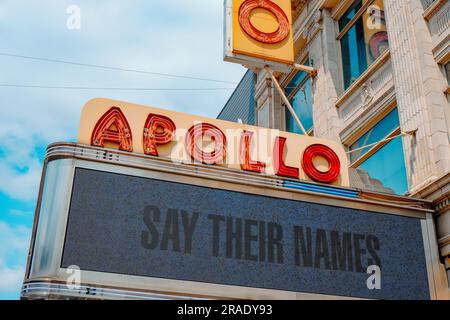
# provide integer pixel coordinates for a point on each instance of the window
(447, 72)
(384, 162)
(377, 133)
(298, 91)
(363, 37)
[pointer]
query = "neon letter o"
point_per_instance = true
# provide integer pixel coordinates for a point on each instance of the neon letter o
(320, 150)
(198, 131)
(273, 37)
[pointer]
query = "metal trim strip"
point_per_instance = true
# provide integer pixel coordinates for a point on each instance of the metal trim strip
(116, 157)
(47, 289)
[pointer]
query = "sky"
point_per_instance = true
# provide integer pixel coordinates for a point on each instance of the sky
(175, 37)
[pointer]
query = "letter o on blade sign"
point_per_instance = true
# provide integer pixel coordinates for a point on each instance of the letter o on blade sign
(278, 35)
(220, 143)
(319, 150)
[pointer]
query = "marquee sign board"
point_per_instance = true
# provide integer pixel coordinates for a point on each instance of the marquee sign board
(193, 139)
(153, 228)
(259, 33)
(138, 227)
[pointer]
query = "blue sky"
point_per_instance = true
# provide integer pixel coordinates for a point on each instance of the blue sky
(177, 37)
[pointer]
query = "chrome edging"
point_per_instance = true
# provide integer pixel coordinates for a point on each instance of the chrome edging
(122, 158)
(148, 162)
(49, 290)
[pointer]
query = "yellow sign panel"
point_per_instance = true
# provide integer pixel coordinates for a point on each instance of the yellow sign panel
(192, 139)
(262, 29)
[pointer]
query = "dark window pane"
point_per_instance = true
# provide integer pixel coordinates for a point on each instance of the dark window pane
(365, 41)
(351, 12)
(295, 81)
(354, 57)
(302, 104)
(447, 72)
(387, 167)
(377, 133)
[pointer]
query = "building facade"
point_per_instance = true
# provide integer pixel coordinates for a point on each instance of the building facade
(241, 105)
(382, 90)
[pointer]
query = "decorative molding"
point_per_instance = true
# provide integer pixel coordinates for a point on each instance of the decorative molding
(443, 204)
(313, 26)
(378, 89)
(435, 190)
(366, 94)
(439, 25)
(340, 8)
(297, 7)
(431, 7)
(299, 27)
(367, 117)
(440, 21)
(442, 51)
(363, 78)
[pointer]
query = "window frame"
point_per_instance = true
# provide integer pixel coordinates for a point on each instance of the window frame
(447, 74)
(291, 75)
(288, 79)
(298, 87)
(374, 149)
(350, 24)
(377, 147)
(371, 68)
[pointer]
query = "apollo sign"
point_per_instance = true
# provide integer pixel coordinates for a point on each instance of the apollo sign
(192, 139)
(244, 17)
(259, 33)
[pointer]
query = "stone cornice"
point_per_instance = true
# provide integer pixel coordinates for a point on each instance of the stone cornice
(297, 7)
(310, 26)
(438, 191)
(433, 9)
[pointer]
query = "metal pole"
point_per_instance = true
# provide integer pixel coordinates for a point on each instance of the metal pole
(309, 70)
(286, 101)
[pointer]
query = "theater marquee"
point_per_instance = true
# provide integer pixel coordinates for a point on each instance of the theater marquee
(157, 204)
(134, 226)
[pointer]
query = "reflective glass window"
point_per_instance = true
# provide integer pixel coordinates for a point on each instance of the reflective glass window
(298, 91)
(387, 166)
(388, 124)
(365, 40)
(447, 72)
(301, 101)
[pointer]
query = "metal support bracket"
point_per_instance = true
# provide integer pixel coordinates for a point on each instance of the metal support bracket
(286, 100)
(309, 70)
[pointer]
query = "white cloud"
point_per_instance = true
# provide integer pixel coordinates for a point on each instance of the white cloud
(14, 244)
(20, 168)
(177, 37)
(14, 240)
(11, 279)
